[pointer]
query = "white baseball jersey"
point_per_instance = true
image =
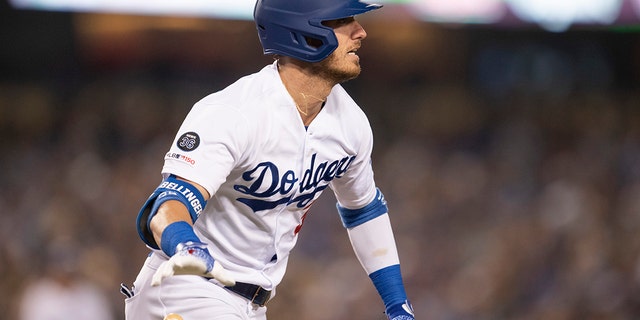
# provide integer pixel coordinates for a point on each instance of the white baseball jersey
(248, 147)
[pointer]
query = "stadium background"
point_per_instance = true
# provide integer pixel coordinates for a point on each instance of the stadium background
(509, 154)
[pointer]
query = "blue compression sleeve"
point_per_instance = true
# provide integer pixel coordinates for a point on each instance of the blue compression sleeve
(388, 282)
(355, 217)
(176, 233)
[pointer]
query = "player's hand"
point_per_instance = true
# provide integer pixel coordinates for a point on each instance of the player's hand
(192, 258)
(400, 311)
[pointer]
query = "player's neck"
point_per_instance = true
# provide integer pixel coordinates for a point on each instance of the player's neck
(308, 91)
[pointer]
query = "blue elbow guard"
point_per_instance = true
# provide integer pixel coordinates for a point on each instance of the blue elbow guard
(355, 217)
(170, 189)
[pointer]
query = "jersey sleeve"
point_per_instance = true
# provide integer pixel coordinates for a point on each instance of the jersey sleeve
(357, 188)
(208, 145)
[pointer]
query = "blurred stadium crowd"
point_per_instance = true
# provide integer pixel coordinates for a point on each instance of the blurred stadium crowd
(511, 165)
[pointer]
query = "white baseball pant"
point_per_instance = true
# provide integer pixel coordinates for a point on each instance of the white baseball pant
(192, 297)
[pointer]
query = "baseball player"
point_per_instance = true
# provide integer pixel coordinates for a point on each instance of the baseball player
(248, 162)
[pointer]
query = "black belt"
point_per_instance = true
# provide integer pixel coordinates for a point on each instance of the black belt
(255, 294)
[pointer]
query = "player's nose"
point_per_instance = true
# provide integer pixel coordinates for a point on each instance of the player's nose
(358, 31)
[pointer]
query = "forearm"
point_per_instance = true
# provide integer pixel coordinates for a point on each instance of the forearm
(374, 244)
(166, 222)
(166, 219)
(168, 213)
(371, 236)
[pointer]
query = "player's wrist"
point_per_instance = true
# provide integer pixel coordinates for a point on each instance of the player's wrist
(388, 282)
(177, 234)
(192, 258)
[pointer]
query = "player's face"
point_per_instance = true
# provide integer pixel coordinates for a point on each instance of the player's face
(343, 64)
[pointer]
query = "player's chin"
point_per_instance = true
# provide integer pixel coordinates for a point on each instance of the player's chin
(344, 71)
(352, 65)
(346, 75)
(354, 71)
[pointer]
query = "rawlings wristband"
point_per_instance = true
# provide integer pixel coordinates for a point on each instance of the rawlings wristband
(175, 234)
(388, 282)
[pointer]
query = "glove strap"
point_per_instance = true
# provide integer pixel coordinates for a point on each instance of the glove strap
(403, 311)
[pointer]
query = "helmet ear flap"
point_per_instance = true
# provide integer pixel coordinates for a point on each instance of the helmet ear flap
(308, 41)
(311, 47)
(313, 42)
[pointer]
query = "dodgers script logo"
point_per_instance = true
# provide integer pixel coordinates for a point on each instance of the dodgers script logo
(266, 180)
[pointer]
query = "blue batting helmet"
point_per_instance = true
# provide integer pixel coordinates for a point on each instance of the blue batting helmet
(294, 27)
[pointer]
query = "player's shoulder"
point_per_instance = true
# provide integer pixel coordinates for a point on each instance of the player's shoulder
(246, 89)
(345, 107)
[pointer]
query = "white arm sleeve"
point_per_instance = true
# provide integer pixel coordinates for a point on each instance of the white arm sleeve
(374, 244)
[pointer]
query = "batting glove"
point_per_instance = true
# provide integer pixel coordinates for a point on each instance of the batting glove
(400, 311)
(192, 258)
